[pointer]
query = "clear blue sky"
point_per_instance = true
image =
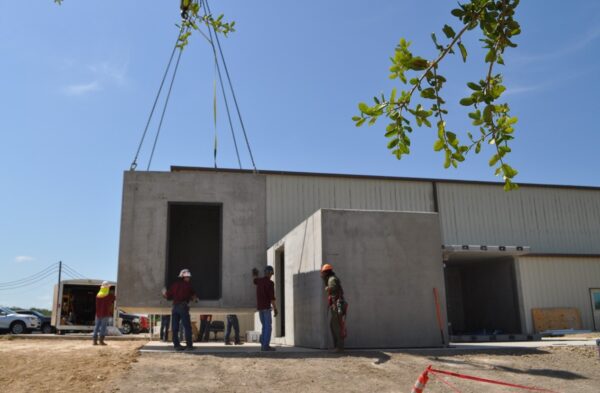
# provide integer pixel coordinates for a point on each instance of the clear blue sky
(77, 82)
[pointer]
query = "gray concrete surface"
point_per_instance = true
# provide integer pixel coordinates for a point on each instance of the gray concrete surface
(388, 262)
(143, 240)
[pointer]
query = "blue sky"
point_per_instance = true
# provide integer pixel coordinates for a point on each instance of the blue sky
(77, 83)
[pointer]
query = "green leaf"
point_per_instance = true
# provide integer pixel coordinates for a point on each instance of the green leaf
(393, 96)
(467, 101)
(361, 122)
(391, 144)
(418, 63)
(494, 159)
(474, 86)
(448, 31)
(490, 57)
(391, 133)
(363, 107)
(428, 93)
(438, 145)
(457, 12)
(356, 118)
(463, 51)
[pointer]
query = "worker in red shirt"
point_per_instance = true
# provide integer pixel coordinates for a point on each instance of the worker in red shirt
(105, 302)
(265, 299)
(181, 293)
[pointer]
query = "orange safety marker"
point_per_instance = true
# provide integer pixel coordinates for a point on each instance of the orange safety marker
(421, 381)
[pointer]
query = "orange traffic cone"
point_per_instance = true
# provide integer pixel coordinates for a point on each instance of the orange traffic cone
(421, 382)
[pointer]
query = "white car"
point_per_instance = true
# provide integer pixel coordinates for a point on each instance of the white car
(17, 323)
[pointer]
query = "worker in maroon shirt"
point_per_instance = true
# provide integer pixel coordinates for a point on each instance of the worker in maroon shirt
(181, 293)
(105, 301)
(265, 298)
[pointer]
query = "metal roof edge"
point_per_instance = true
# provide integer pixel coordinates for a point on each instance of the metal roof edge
(175, 168)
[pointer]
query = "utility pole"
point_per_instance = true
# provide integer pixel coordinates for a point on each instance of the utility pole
(58, 296)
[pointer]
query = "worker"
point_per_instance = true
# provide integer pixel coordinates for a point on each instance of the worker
(204, 333)
(105, 301)
(337, 306)
(232, 321)
(181, 293)
(265, 299)
(165, 321)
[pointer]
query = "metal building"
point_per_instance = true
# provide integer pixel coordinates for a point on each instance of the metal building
(505, 254)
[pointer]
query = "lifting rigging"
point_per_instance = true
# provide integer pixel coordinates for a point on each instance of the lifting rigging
(184, 31)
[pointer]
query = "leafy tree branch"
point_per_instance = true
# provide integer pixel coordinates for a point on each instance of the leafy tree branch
(496, 22)
(191, 18)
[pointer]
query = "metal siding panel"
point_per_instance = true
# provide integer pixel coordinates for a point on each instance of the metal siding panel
(548, 220)
(558, 282)
(291, 199)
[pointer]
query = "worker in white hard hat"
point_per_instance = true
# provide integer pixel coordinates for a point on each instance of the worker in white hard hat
(181, 293)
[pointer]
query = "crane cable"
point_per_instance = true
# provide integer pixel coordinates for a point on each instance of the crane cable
(162, 116)
(218, 69)
(134, 162)
(207, 8)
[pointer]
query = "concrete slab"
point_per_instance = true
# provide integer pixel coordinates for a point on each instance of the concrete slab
(144, 243)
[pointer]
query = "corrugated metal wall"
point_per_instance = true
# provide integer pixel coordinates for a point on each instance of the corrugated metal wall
(550, 220)
(558, 282)
(291, 199)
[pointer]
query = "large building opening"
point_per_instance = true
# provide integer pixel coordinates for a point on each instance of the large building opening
(481, 295)
(194, 241)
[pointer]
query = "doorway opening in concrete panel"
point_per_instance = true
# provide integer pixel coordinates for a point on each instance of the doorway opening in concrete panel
(481, 295)
(280, 292)
(194, 241)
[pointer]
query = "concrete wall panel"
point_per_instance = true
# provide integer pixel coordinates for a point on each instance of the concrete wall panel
(388, 262)
(142, 252)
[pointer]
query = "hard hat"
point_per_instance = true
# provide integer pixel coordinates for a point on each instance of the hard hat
(326, 267)
(269, 269)
(185, 273)
(105, 284)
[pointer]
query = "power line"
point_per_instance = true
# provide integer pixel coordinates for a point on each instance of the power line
(232, 90)
(33, 276)
(29, 288)
(75, 272)
(30, 282)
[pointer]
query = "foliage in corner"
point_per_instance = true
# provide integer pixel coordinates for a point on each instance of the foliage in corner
(496, 22)
(191, 18)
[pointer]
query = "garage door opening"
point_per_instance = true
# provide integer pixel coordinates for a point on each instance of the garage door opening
(482, 295)
(194, 242)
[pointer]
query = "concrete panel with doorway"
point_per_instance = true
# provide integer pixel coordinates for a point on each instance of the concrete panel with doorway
(213, 223)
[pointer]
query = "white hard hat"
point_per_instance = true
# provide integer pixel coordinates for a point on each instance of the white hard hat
(105, 283)
(185, 273)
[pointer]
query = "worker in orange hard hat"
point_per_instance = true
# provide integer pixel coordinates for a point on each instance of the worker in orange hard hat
(337, 306)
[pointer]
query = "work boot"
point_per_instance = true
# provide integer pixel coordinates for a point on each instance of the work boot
(95, 340)
(227, 342)
(102, 340)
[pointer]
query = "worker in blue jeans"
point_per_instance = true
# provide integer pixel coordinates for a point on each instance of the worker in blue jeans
(181, 292)
(265, 299)
(232, 321)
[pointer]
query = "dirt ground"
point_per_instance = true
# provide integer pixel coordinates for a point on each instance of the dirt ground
(76, 366)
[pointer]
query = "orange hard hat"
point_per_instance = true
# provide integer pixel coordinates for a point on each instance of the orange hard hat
(326, 267)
